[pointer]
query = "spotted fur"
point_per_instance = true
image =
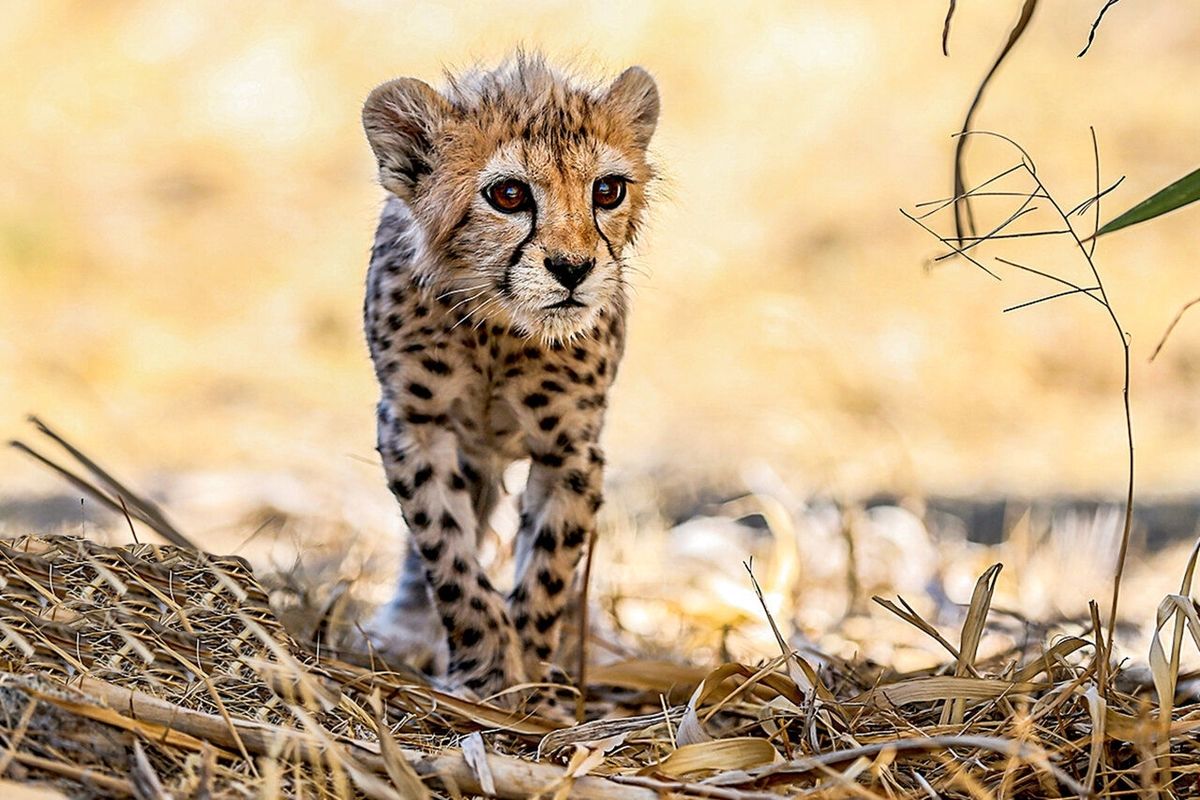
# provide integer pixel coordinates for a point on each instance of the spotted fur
(476, 368)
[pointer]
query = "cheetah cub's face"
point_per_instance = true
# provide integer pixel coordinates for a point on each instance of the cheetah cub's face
(527, 187)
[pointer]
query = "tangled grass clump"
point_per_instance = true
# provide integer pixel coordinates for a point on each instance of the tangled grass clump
(159, 671)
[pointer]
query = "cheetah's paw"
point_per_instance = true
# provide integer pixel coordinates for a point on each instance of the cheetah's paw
(410, 634)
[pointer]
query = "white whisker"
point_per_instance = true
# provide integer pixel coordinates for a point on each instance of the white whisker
(449, 292)
(467, 300)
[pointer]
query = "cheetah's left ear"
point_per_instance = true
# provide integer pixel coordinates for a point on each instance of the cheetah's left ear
(635, 95)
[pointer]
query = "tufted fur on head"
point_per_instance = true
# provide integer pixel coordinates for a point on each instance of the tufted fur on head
(442, 152)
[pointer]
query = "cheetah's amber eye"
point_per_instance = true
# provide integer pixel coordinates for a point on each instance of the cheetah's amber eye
(608, 192)
(508, 196)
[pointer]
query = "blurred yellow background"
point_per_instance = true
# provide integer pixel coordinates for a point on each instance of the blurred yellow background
(187, 204)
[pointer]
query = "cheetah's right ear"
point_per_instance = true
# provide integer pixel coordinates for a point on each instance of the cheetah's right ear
(402, 118)
(635, 95)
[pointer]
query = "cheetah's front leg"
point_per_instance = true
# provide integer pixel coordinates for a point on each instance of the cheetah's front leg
(422, 466)
(558, 514)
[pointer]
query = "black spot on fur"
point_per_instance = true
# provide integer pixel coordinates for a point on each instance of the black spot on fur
(420, 520)
(552, 386)
(470, 636)
(546, 540)
(449, 523)
(536, 400)
(551, 583)
(545, 622)
(464, 665)
(400, 489)
(547, 459)
(422, 475)
(457, 482)
(420, 390)
(576, 481)
(548, 423)
(449, 592)
(431, 551)
(436, 366)
(574, 536)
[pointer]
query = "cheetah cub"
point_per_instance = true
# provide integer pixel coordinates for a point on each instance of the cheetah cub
(495, 315)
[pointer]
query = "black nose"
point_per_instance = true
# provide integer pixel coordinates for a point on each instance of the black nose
(569, 273)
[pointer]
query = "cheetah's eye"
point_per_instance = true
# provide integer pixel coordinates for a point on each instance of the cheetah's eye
(608, 192)
(508, 196)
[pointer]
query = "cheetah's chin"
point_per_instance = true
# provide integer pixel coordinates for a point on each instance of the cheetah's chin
(563, 325)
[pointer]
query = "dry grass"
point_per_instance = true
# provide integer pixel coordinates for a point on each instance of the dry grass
(154, 671)
(157, 666)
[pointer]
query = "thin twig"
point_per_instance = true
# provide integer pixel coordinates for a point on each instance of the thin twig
(1086, 204)
(1054, 296)
(1178, 316)
(964, 219)
(1095, 26)
(1054, 278)
(1088, 256)
(581, 667)
(946, 28)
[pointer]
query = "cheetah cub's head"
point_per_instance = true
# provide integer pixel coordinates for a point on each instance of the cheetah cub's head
(527, 186)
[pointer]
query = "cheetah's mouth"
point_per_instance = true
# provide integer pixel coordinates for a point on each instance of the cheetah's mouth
(566, 302)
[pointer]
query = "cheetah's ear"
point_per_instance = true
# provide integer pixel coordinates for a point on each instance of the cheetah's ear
(635, 95)
(402, 118)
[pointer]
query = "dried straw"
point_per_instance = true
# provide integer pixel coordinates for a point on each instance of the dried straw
(162, 671)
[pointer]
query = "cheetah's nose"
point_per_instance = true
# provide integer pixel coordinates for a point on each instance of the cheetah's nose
(570, 273)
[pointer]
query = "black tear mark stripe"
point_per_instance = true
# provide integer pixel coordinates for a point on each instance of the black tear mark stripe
(506, 280)
(596, 222)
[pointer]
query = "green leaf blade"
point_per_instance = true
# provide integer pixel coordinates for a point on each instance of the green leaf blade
(1178, 194)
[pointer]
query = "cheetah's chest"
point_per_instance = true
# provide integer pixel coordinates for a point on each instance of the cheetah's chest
(503, 428)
